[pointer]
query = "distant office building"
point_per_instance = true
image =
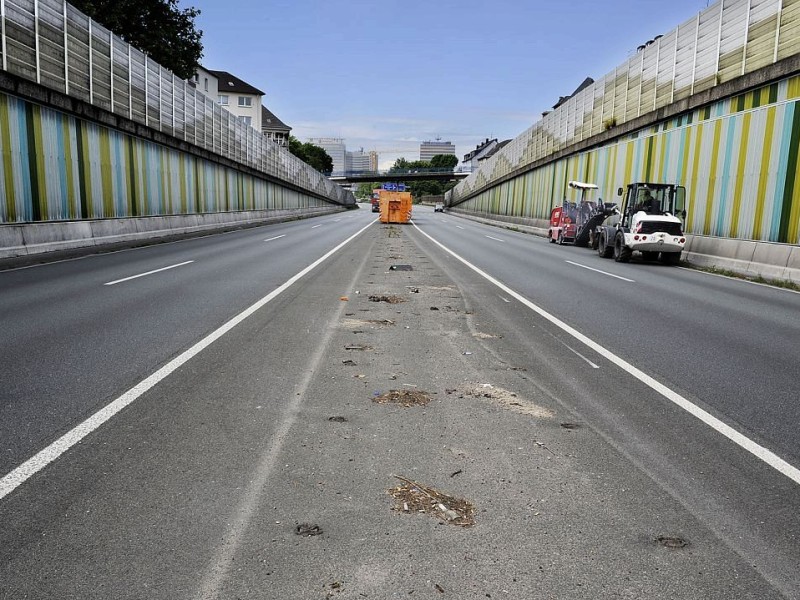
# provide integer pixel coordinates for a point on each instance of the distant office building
(358, 161)
(336, 150)
(273, 128)
(373, 160)
(427, 150)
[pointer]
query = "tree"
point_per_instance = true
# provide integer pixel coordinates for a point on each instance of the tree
(158, 27)
(444, 161)
(364, 190)
(311, 154)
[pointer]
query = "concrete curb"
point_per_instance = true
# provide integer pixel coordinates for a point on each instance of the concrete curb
(769, 260)
(38, 240)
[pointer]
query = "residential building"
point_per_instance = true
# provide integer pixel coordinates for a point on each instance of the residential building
(206, 82)
(273, 128)
(561, 99)
(239, 98)
(494, 150)
(427, 150)
(336, 150)
(471, 159)
(373, 161)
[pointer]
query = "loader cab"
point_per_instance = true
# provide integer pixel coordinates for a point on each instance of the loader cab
(652, 199)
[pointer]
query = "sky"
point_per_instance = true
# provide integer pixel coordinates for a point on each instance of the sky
(386, 75)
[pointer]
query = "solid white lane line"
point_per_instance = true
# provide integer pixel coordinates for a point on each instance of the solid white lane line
(44, 457)
(769, 457)
(315, 226)
(277, 237)
(148, 273)
(494, 238)
(599, 271)
(459, 226)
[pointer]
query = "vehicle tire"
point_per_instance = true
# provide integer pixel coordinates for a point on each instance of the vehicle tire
(670, 258)
(603, 249)
(622, 253)
(650, 256)
(550, 237)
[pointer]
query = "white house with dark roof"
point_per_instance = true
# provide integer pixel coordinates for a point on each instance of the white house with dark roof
(206, 82)
(239, 98)
(471, 158)
(273, 128)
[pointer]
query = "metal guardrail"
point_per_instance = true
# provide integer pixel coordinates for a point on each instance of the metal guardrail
(55, 45)
(724, 41)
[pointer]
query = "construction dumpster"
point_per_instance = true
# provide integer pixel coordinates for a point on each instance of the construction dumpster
(395, 207)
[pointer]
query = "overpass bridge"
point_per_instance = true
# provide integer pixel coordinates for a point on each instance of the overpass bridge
(345, 177)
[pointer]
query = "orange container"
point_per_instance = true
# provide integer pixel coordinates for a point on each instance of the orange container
(395, 207)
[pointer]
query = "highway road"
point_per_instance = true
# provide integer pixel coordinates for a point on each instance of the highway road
(169, 415)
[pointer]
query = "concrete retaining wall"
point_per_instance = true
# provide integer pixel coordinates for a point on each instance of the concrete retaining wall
(37, 239)
(746, 257)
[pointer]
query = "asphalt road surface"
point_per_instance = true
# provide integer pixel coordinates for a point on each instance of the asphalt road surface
(174, 418)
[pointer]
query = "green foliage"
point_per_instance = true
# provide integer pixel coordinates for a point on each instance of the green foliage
(158, 27)
(444, 161)
(311, 154)
(425, 187)
(364, 190)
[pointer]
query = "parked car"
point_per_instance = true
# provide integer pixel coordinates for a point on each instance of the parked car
(438, 207)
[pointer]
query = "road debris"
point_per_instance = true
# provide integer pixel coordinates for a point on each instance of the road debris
(506, 399)
(344, 298)
(415, 497)
(357, 347)
(349, 363)
(486, 336)
(401, 268)
(454, 473)
(542, 445)
(672, 542)
(406, 398)
(308, 530)
(570, 425)
(386, 298)
(348, 323)
(337, 419)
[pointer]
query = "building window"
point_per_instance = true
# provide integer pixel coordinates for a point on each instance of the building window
(205, 83)
(245, 101)
(223, 99)
(246, 120)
